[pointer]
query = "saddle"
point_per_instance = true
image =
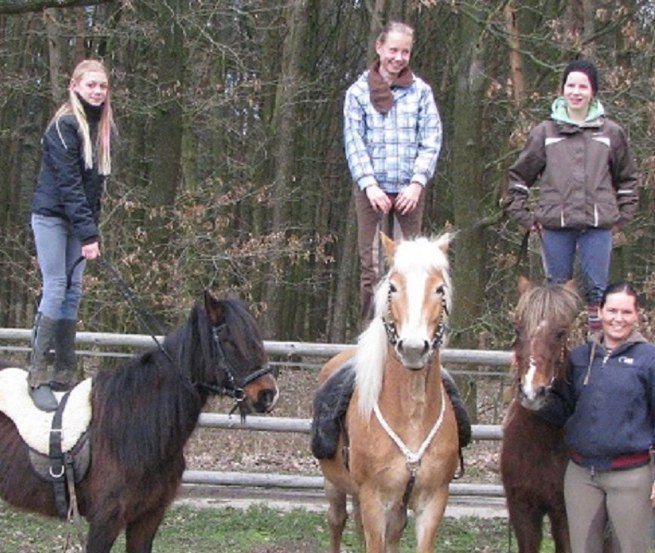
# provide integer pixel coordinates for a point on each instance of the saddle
(330, 406)
(58, 445)
(331, 403)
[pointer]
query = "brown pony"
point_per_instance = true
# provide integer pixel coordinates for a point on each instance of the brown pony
(143, 414)
(533, 456)
(399, 445)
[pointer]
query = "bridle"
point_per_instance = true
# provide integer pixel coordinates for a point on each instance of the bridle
(532, 364)
(439, 333)
(231, 386)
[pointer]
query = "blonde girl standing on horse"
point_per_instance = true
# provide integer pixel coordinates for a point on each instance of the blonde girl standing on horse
(76, 159)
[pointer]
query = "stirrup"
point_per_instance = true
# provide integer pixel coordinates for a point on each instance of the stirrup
(43, 398)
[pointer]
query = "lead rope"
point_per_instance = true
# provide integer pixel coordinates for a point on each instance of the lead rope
(147, 320)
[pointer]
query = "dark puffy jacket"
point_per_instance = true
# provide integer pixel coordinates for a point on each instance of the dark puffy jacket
(65, 188)
(586, 175)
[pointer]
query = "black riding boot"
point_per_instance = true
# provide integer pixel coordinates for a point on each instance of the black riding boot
(65, 360)
(40, 375)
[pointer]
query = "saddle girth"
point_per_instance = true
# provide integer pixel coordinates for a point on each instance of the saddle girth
(62, 470)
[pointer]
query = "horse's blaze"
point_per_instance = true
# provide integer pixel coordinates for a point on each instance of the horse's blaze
(529, 382)
(545, 349)
(416, 309)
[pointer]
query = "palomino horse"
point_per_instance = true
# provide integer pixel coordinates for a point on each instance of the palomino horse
(399, 445)
(143, 414)
(533, 456)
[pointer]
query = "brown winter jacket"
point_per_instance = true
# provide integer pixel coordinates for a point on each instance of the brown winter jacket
(586, 175)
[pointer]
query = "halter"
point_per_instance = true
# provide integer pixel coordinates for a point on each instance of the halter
(230, 387)
(392, 331)
(532, 364)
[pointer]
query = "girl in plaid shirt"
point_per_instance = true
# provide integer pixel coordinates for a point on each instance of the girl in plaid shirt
(392, 137)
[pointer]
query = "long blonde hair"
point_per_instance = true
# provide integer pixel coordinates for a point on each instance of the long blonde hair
(74, 107)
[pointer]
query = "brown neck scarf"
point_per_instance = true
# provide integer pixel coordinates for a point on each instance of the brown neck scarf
(380, 90)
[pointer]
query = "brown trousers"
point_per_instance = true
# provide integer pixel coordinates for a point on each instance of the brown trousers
(371, 261)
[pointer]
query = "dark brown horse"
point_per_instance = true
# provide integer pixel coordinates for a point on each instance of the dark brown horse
(533, 456)
(143, 414)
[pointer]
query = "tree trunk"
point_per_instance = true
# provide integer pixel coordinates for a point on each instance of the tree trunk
(515, 57)
(284, 128)
(167, 127)
(469, 271)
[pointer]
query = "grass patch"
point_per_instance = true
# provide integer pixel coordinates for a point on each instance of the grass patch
(255, 530)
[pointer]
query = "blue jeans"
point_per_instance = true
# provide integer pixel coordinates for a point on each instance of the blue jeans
(57, 250)
(595, 248)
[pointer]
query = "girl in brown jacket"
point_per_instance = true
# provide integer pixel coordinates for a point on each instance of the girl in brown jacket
(587, 181)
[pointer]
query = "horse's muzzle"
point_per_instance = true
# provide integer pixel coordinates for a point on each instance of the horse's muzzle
(533, 399)
(266, 400)
(413, 355)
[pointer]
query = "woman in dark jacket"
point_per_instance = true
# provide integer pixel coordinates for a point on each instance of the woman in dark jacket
(65, 213)
(587, 181)
(607, 408)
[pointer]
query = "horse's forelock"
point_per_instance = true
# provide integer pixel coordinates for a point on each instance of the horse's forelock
(552, 302)
(418, 256)
(244, 332)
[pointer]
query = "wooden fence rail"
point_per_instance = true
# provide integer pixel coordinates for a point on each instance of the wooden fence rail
(282, 481)
(288, 350)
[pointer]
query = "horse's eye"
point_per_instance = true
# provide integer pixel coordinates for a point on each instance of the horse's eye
(440, 289)
(392, 288)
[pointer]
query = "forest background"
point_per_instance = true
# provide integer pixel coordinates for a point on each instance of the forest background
(229, 167)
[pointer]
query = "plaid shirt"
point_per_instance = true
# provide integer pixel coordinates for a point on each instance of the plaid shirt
(393, 149)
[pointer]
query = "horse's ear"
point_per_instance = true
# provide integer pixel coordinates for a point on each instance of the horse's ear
(388, 245)
(570, 286)
(443, 241)
(524, 285)
(213, 308)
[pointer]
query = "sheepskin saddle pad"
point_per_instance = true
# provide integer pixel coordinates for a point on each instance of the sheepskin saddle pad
(33, 424)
